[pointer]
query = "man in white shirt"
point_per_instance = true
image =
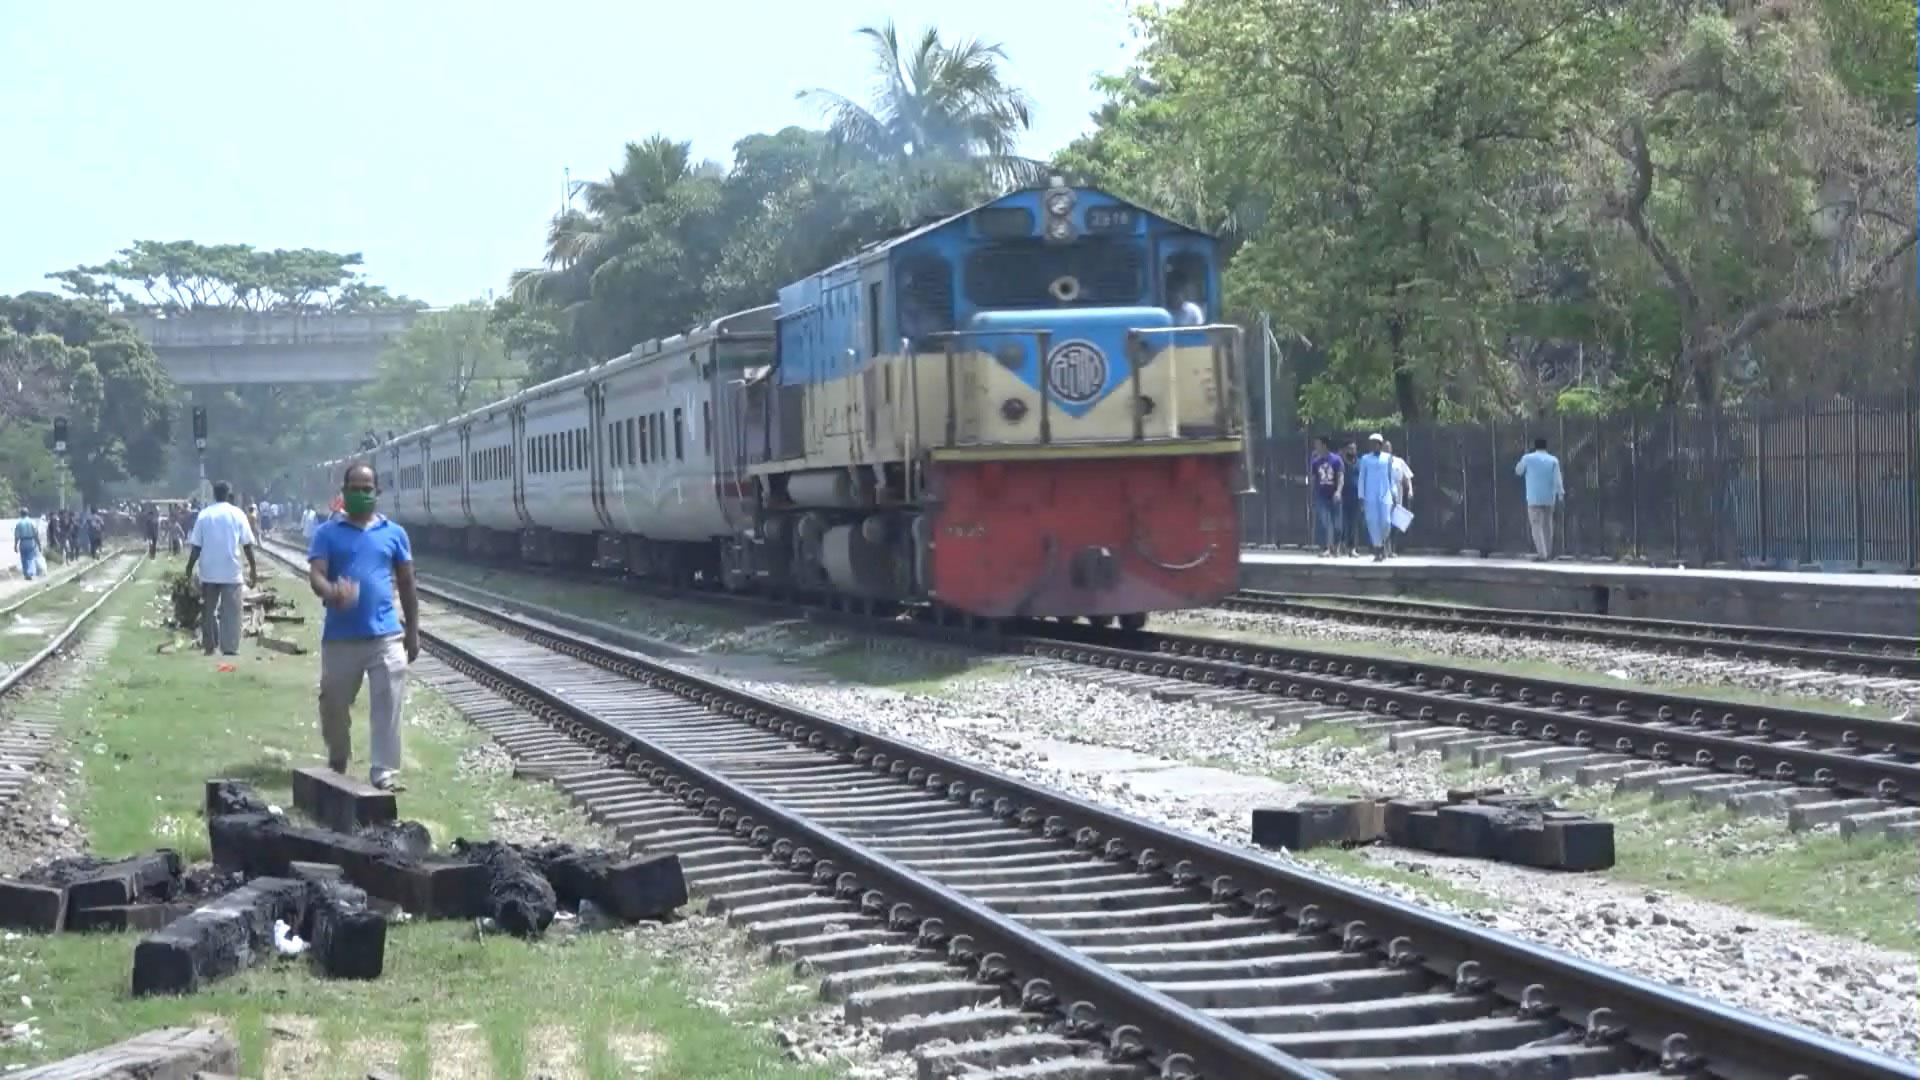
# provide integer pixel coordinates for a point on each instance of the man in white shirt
(220, 533)
(1402, 485)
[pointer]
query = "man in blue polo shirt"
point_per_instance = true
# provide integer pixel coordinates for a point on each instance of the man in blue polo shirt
(355, 564)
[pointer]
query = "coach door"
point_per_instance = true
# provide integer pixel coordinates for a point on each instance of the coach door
(597, 436)
(517, 424)
(466, 473)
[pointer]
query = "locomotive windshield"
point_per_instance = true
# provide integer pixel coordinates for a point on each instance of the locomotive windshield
(1023, 273)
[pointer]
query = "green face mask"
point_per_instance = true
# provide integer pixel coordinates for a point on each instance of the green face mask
(358, 502)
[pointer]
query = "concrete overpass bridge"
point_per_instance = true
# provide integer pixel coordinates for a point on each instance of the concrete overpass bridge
(264, 347)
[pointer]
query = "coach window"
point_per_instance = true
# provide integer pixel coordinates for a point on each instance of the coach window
(659, 436)
(706, 428)
(679, 437)
(633, 441)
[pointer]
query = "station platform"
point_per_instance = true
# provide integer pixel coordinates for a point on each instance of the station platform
(1863, 603)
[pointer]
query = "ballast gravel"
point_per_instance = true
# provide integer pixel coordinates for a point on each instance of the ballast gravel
(1638, 667)
(1135, 755)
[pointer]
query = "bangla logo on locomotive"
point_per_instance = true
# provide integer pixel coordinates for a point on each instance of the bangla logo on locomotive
(1076, 371)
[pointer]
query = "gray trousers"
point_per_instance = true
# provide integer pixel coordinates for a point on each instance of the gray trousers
(220, 617)
(344, 663)
(1540, 520)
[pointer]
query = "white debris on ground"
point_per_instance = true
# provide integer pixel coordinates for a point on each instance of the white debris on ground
(1055, 732)
(1614, 661)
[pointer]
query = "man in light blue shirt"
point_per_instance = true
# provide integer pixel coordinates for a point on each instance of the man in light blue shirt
(1377, 493)
(1545, 490)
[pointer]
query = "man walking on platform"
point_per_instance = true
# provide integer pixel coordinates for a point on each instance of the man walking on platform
(1546, 488)
(356, 563)
(26, 542)
(1328, 474)
(1352, 522)
(220, 534)
(1377, 494)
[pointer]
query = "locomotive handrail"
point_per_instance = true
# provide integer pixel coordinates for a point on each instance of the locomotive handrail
(1043, 338)
(1230, 378)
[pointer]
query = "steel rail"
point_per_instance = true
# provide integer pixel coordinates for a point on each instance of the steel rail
(1859, 755)
(1686, 1033)
(1744, 741)
(1208, 1045)
(72, 575)
(66, 635)
(1846, 654)
(1830, 639)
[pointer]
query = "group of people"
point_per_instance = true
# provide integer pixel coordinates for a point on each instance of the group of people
(65, 533)
(1371, 494)
(1358, 496)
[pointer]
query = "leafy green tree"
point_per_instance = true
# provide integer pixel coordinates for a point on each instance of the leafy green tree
(29, 471)
(183, 276)
(1872, 47)
(664, 243)
(107, 383)
(1755, 192)
(935, 106)
(1368, 161)
(631, 262)
(447, 363)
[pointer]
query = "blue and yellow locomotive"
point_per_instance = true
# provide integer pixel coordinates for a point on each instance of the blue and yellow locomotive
(1016, 411)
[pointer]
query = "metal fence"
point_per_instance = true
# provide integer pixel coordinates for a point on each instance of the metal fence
(1778, 484)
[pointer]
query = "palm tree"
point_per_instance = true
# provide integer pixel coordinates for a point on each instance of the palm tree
(580, 240)
(936, 105)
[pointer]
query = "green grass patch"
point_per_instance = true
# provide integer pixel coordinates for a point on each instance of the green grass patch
(1860, 889)
(1355, 863)
(47, 610)
(155, 724)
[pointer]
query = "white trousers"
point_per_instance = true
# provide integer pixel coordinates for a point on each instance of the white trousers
(344, 663)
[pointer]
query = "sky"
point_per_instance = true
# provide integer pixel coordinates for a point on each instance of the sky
(432, 137)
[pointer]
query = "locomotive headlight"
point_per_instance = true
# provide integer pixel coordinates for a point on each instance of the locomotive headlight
(1059, 229)
(1059, 203)
(1013, 409)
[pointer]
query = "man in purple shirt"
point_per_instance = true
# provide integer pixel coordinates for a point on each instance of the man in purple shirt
(1328, 475)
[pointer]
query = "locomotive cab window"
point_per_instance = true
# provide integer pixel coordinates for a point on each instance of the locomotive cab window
(923, 292)
(1030, 273)
(1185, 284)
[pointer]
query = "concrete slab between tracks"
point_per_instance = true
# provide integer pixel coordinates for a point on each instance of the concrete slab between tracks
(1857, 603)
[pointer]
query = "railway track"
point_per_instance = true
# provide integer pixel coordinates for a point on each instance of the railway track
(1866, 655)
(26, 735)
(12, 675)
(1041, 937)
(1849, 764)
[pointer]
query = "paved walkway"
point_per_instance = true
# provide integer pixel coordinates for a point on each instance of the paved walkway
(1622, 572)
